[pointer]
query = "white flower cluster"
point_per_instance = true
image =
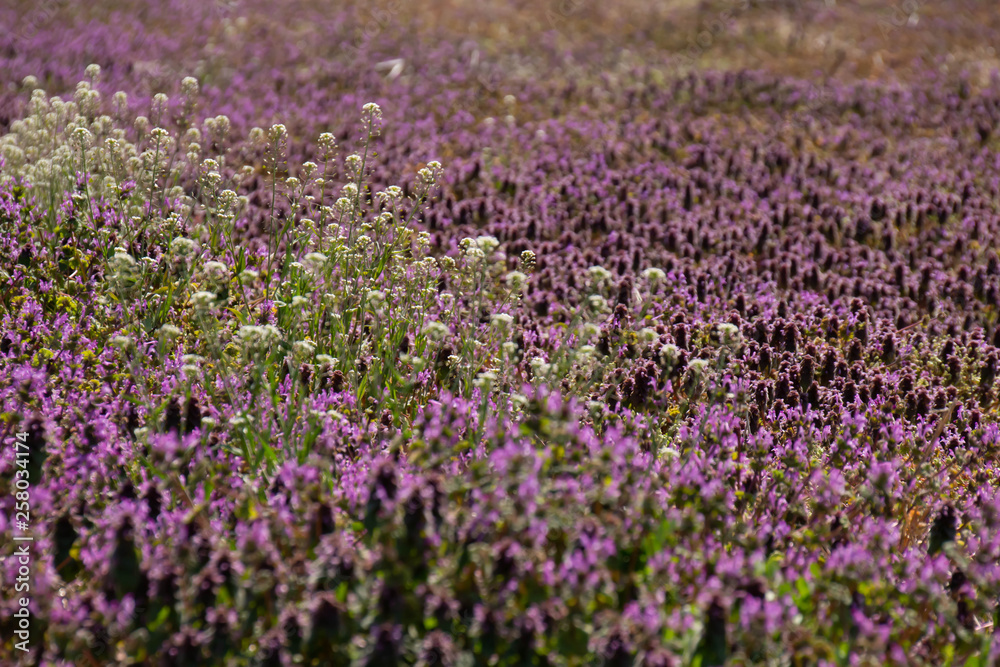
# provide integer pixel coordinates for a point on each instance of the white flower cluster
(352, 163)
(277, 133)
(539, 367)
(121, 342)
(417, 363)
(436, 331)
(191, 365)
(159, 134)
(597, 302)
(202, 302)
(730, 334)
(430, 174)
(485, 380)
(669, 354)
(599, 274)
(227, 204)
(372, 118)
(487, 243)
(315, 260)
(168, 332)
(124, 269)
(183, 247)
(304, 349)
(391, 194)
(472, 250)
(189, 86)
(257, 338)
(697, 367)
(479, 247)
(654, 276)
(500, 320)
(327, 146)
(528, 260)
(516, 280)
(215, 274)
(218, 126)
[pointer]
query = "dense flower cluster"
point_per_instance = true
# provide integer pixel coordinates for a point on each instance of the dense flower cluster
(610, 369)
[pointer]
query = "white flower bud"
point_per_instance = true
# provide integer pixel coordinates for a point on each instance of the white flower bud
(120, 101)
(485, 380)
(202, 301)
(516, 280)
(654, 275)
(487, 243)
(698, 366)
(257, 137)
(189, 86)
(730, 333)
(83, 137)
(169, 332)
(304, 348)
(599, 273)
(436, 330)
(500, 320)
(597, 302)
(121, 342)
(669, 353)
(277, 133)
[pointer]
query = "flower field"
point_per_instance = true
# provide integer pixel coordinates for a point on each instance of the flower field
(442, 334)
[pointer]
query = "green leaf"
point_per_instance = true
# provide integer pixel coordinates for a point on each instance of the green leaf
(802, 586)
(160, 619)
(773, 566)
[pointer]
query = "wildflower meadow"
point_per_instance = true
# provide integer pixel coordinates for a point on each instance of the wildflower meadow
(446, 334)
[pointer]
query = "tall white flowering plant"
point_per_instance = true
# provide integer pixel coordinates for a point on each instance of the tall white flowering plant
(338, 284)
(336, 292)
